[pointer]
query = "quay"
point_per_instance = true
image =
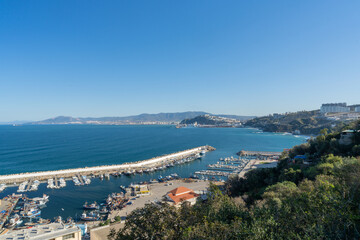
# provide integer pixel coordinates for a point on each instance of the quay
(139, 165)
(56, 182)
(29, 185)
(80, 179)
(259, 154)
(214, 173)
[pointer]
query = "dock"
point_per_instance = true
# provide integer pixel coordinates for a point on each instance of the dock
(80, 179)
(56, 182)
(214, 173)
(28, 187)
(259, 154)
(139, 165)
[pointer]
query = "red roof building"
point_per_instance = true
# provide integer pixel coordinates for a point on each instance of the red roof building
(181, 194)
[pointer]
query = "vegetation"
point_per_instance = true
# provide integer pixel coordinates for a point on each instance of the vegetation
(306, 122)
(292, 201)
(210, 120)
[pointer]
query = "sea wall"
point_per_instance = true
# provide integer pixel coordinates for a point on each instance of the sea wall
(153, 162)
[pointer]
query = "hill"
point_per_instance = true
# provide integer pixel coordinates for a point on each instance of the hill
(211, 120)
(303, 122)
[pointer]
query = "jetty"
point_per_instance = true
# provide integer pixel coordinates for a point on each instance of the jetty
(107, 169)
(56, 182)
(259, 154)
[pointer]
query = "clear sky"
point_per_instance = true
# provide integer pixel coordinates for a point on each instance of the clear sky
(118, 58)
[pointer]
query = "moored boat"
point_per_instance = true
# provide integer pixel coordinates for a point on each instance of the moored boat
(92, 206)
(91, 216)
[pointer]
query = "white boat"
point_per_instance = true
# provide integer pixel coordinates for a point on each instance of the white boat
(15, 220)
(62, 182)
(91, 216)
(40, 201)
(86, 180)
(2, 187)
(51, 183)
(76, 181)
(22, 187)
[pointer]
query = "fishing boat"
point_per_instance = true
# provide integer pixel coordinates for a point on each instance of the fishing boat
(104, 210)
(32, 212)
(109, 200)
(92, 206)
(40, 201)
(15, 221)
(91, 216)
(2, 187)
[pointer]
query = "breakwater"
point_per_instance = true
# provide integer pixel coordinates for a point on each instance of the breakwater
(133, 166)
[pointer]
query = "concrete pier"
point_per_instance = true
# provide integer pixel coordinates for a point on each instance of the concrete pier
(56, 182)
(68, 173)
(80, 179)
(29, 185)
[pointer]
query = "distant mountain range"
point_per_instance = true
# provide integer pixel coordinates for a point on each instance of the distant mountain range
(137, 119)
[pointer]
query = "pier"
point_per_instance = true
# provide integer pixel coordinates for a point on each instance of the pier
(259, 154)
(80, 179)
(139, 165)
(29, 185)
(56, 182)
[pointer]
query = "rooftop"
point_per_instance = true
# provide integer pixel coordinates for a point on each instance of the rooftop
(181, 194)
(41, 232)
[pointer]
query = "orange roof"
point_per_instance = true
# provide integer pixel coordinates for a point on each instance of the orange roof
(180, 190)
(181, 194)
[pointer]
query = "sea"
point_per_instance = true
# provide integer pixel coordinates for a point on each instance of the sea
(31, 148)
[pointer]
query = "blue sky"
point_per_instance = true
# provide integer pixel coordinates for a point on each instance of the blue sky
(118, 58)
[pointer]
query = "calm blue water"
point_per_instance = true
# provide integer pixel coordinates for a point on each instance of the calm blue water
(52, 147)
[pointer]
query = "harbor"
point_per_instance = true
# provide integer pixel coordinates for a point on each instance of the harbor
(83, 194)
(149, 165)
(246, 161)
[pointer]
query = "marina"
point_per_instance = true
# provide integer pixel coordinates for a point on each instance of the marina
(128, 168)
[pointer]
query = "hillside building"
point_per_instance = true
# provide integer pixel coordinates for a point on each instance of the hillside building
(339, 108)
(334, 107)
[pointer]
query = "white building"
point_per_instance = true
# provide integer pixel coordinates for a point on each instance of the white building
(52, 231)
(334, 108)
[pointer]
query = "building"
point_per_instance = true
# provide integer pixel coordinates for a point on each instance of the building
(334, 108)
(357, 108)
(339, 108)
(52, 231)
(140, 190)
(181, 194)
